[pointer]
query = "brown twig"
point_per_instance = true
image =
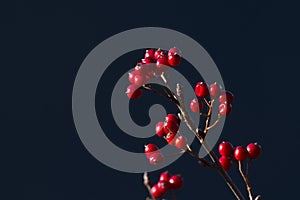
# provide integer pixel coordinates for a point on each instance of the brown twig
(206, 101)
(208, 118)
(184, 116)
(168, 96)
(147, 185)
(202, 161)
(215, 123)
(211, 154)
(245, 178)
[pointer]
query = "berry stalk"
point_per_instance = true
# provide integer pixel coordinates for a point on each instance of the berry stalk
(212, 155)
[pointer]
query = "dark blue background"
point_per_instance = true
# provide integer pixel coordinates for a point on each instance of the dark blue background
(255, 44)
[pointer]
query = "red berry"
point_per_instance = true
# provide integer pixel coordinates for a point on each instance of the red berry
(196, 105)
(201, 90)
(156, 158)
(150, 148)
(173, 51)
(165, 176)
(226, 149)
(157, 53)
(150, 53)
(133, 92)
(171, 126)
(164, 186)
(254, 150)
(172, 117)
(225, 109)
(162, 62)
(180, 142)
(148, 60)
(215, 90)
(159, 129)
(170, 138)
(174, 60)
(156, 192)
(226, 97)
(140, 80)
(140, 69)
(241, 153)
(225, 162)
(176, 182)
(131, 76)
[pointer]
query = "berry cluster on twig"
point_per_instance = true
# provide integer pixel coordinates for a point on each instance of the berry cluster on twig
(154, 65)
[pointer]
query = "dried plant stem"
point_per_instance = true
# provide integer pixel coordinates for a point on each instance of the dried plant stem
(202, 161)
(147, 185)
(215, 123)
(245, 178)
(211, 154)
(184, 116)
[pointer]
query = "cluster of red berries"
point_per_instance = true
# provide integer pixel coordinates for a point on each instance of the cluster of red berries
(202, 90)
(168, 130)
(240, 153)
(166, 182)
(154, 63)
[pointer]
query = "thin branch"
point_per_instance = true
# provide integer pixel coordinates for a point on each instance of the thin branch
(202, 161)
(147, 184)
(246, 180)
(211, 154)
(169, 97)
(258, 197)
(215, 123)
(208, 118)
(184, 116)
(207, 102)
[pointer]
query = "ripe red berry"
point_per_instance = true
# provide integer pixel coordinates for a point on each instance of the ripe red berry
(170, 138)
(174, 60)
(180, 142)
(226, 97)
(241, 153)
(164, 186)
(162, 62)
(165, 176)
(225, 109)
(196, 105)
(225, 162)
(176, 182)
(150, 148)
(157, 53)
(133, 92)
(140, 69)
(150, 53)
(159, 129)
(156, 158)
(139, 80)
(156, 192)
(131, 76)
(254, 150)
(201, 90)
(171, 126)
(172, 117)
(215, 90)
(173, 51)
(148, 60)
(226, 149)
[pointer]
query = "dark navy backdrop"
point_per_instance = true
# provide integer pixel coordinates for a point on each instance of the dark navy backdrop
(255, 44)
